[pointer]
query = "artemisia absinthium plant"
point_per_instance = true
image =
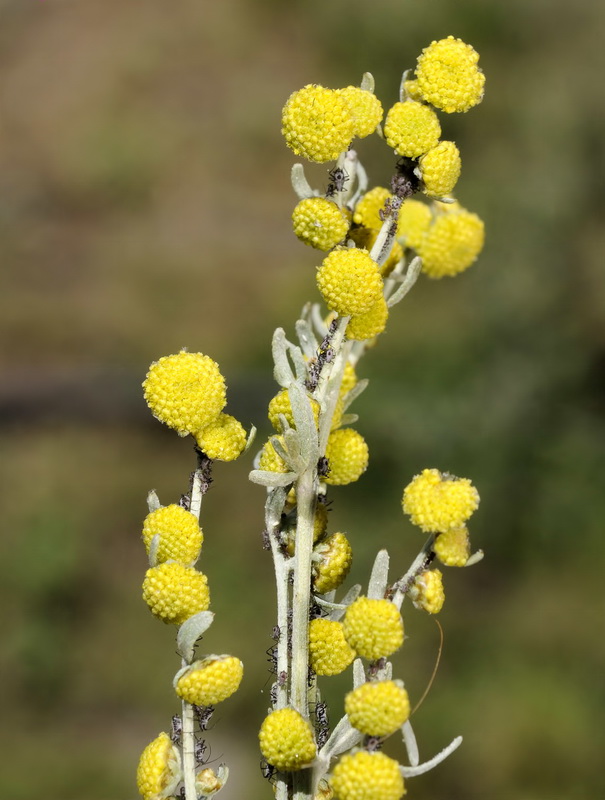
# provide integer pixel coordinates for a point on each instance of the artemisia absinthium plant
(377, 242)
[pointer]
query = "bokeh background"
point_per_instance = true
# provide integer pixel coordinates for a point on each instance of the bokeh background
(144, 206)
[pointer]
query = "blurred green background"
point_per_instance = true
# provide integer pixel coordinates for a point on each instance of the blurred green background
(144, 206)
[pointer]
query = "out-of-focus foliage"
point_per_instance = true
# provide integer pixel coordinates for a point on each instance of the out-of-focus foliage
(145, 206)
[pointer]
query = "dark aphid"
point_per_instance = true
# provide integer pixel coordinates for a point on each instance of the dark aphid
(177, 729)
(267, 769)
(338, 178)
(273, 694)
(200, 751)
(282, 678)
(272, 658)
(321, 718)
(203, 714)
(276, 633)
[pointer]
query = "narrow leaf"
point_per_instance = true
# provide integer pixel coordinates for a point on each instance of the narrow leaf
(153, 501)
(359, 673)
(271, 479)
(379, 577)
(282, 372)
(300, 184)
(410, 772)
(190, 631)
(411, 745)
(153, 550)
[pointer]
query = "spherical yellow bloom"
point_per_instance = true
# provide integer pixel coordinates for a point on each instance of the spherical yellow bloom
(411, 128)
(440, 169)
(367, 211)
(378, 709)
(438, 502)
(320, 223)
(365, 108)
(349, 379)
(448, 76)
(317, 124)
(286, 740)
(270, 460)
(414, 221)
(427, 591)
(451, 244)
(174, 592)
(210, 680)
(367, 776)
(335, 561)
(280, 404)
(180, 534)
(347, 455)
(452, 548)
(365, 237)
(349, 281)
(185, 391)
(329, 652)
(371, 323)
(159, 770)
(224, 439)
(373, 628)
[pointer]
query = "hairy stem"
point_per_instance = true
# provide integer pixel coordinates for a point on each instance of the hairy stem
(188, 740)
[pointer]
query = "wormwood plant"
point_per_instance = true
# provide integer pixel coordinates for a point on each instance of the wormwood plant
(377, 242)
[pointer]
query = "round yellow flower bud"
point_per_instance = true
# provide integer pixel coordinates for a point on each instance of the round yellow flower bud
(280, 404)
(159, 770)
(317, 124)
(365, 108)
(437, 502)
(371, 323)
(373, 628)
(174, 592)
(349, 281)
(270, 460)
(286, 740)
(347, 455)
(414, 221)
(224, 439)
(185, 391)
(411, 128)
(378, 709)
(180, 534)
(320, 223)
(451, 244)
(440, 169)
(335, 561)
(210, 680)
(367, 776)
(329, 652)
(453, 548)
(448, 76)
(349, 379)
(427, 591)
(367, 211)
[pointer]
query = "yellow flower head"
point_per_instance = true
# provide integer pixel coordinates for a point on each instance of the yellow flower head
(414, 221)
(448, 76)
(320, 223)
(210, 680)
(185, 391)
(180, 534)
(412, 90)
(373, 628)
(427, 591)
(365, 109)
(349, 379)
(365, 237)
(440, 169)
(329, 652)
(224, 439)
(335, 558)
(367, 776)
(452, 548)
(367, 211)
(369, 324)
(270, 460)
(437, 502)
(174, 592)
(159, 770)
(451, 244)
(378, 709)
(286, 740)
(411, 128)
(280, 404)
(349, 281)
(347, 455)
(317, 124)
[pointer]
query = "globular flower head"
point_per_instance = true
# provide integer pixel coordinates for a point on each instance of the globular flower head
(210, 681)
(270, 460)
(286, 740)
(438, 502)
(367, 211)
(280, 404)
(180, 534)
(329, 651)
(451, 244)
(369, 324)
(159, 770)
(347, 454)
(373, 628)
(448, 76)
(427, 591)
(378, 708)
(224, 439)
(320, 223)
(367, 776)
(349, 281)
(317, 124)
(414, 221)
(174, 592)
(452, 548)
(366, 237)
(349, 379)
(365, 108)
(440, 168)
(335, 558)
(185, 391)
(411, 128)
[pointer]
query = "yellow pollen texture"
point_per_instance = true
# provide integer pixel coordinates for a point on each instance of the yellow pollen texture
(174, 592)
(224, 439)
(180, 534)
(378, 708)
(411, 128)
(319, 223)
(437, 503)
(348, 455)
(210, 681)
(365, 107)
(451, 244)
(373, 628)
(329, 652)
(452, 548)
(317, 124)
(367, 776)
(158, 768)
(448, 76)
(336, 557)
(440, 169)
(349, 281)
(286, 740)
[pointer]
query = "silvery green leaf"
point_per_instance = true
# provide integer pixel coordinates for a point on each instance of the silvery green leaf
(334, 608)
(379, 577)
(348, 419)
(362, 183)
(403, 95)
(274, 506)
(300, 365)
(359, 673)
(413, 271)
(250, 439)
(153, 550)
(153, 501)
(300, 184)
(306, 337)
(190, 631)
(411, 772)
(302, 411)
(475, 558)
(282, 371)
(286, 451)
(367, 82)
(318, 321)
(271, 479)
(351, 595)
(411, 745)
(343, 737)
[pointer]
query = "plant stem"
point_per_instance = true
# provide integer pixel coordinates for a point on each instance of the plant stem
(188, 740)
